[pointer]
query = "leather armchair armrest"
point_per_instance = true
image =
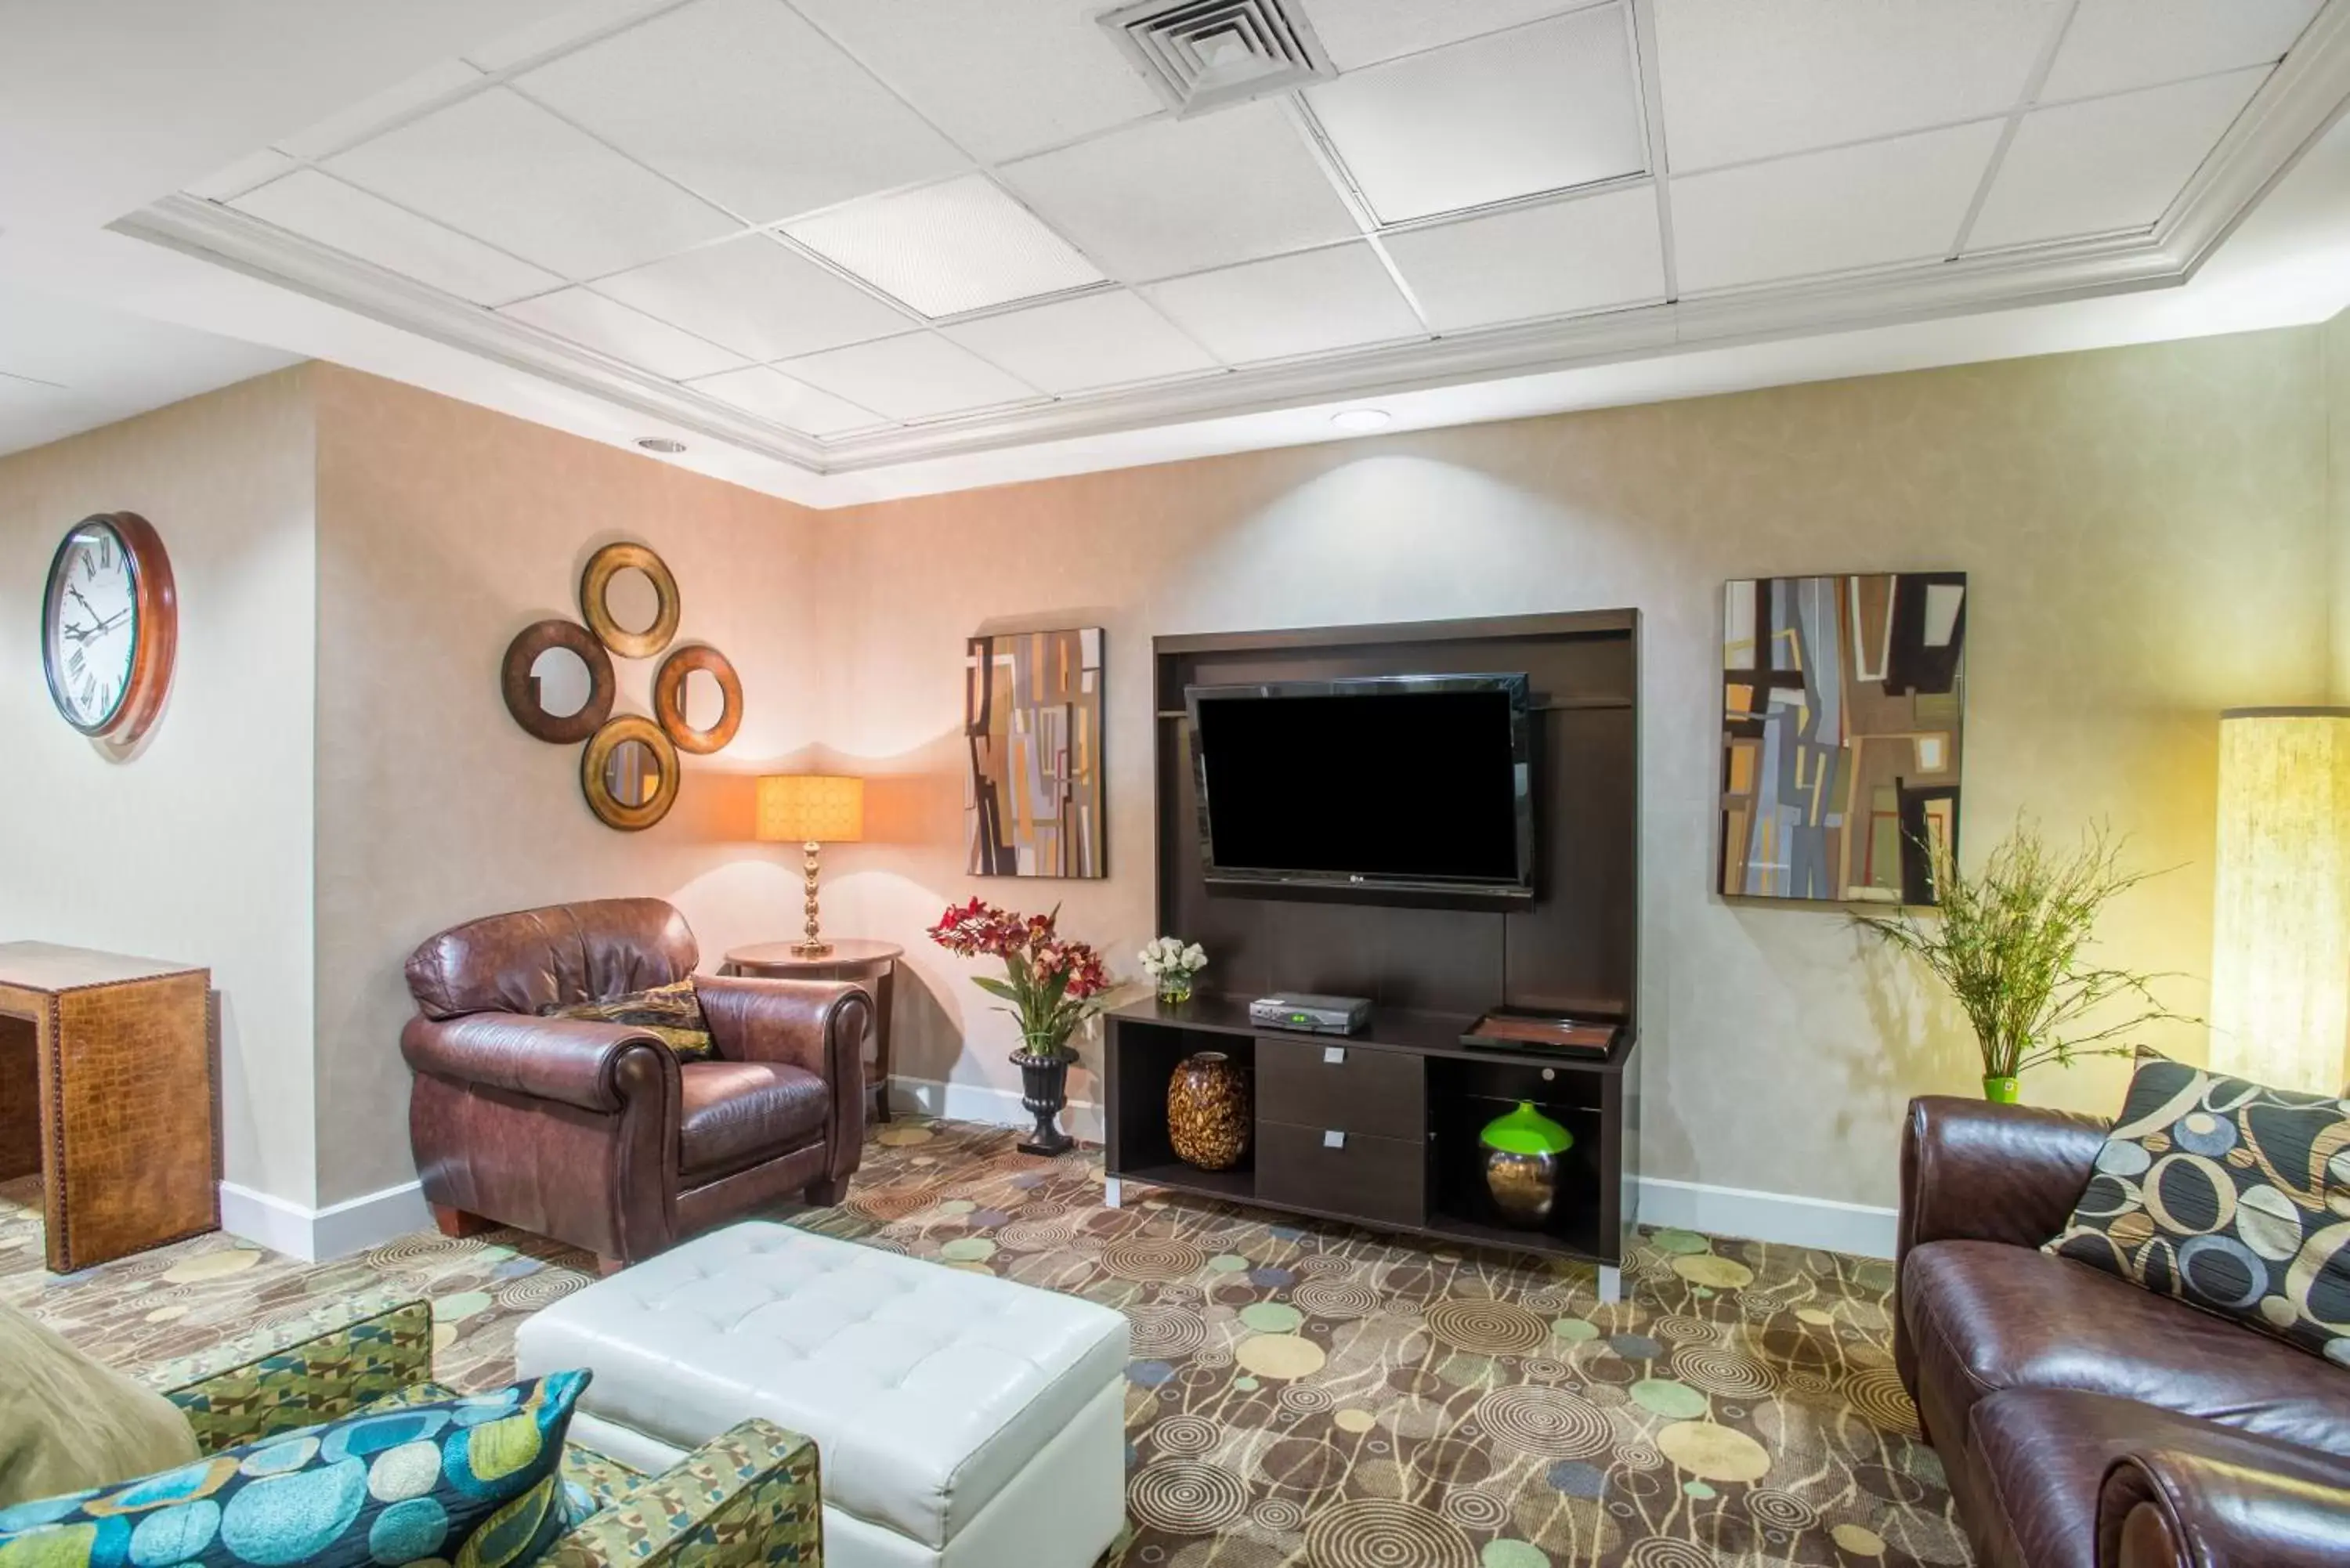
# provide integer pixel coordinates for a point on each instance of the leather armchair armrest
(576, 1061)
(2176, 1508)
(816, 1025)
(1974, 1171)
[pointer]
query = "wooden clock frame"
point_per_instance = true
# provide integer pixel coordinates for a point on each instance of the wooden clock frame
(156, 595)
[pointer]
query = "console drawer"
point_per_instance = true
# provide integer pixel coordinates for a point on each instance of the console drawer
(1381, 1178)
(1380, 1094)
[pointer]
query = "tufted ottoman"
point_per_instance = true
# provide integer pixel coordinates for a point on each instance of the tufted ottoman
(960, 1420)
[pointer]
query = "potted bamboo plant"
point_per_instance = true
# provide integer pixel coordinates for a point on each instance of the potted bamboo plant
(1052, 984)
(2009, 941)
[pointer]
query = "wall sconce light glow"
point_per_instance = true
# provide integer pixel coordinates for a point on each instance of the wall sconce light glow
(1360, 419)
(2281, 919)
(661, 444)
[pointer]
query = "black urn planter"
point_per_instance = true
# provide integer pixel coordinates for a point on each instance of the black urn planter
(1043, 1090)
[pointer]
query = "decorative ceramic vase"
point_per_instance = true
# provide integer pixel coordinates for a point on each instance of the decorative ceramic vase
(1523, 1152)
(1207, 1111)
(1174, 987)
(1043, 1090)
(2001, 1091)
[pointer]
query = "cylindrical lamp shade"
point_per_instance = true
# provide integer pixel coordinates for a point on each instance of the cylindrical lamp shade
(811, 808)
(2280, 920)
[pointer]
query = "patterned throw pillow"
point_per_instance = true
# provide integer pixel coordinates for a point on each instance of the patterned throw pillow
(472, 1483)
(672, 1012)
(2230, 1197)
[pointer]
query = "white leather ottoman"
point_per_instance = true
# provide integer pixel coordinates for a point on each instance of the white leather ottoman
(960, 1420)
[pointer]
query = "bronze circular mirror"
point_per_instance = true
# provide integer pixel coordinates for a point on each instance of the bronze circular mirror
(629, 773)
(557, 681)
(699, 699)
(630, 600)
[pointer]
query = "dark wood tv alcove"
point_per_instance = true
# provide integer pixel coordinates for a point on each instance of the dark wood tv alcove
(1405, 1097)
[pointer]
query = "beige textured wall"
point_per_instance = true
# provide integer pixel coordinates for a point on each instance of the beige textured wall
(2145, 531)
(199, 849)
(443, 530)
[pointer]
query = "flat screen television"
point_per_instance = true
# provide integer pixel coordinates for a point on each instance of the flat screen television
(1413, 784)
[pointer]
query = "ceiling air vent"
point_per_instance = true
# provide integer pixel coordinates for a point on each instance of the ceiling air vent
(1203, 54)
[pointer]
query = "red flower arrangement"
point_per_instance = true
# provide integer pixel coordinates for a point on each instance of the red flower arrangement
(1051, 982)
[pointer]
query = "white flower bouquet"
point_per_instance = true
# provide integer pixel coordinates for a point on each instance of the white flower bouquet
(1173, 962)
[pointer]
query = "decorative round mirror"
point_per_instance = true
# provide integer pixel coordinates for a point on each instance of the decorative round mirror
(629, 773)
(628, 598)
(699, 699)
(557, 681)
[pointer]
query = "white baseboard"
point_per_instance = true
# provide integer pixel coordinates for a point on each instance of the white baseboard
(315, 1235)
(983, 1103)
(1778, 1217)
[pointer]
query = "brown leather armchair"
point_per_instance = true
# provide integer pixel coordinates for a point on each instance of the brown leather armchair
(595, 1134)
(2084, 1422)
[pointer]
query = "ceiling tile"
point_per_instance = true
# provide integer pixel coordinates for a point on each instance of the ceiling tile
(948, 248)
(1358, 32)
(505, 171)
(338, 131)
(1003, 77)
(610, 327)
(1177, 195)
(1827, 212)
(745, 103)
(1335, 298)
(1530, 261)
(1074, 345)
(909, 377)
(566, 27)
(343, 218)
(1539, 108)
(253, 169)
(757, 298)
(1743, 81)
(794, 405)
(2115, 45)
(2109, 164)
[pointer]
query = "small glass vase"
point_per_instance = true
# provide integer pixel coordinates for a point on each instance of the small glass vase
(1175, 987)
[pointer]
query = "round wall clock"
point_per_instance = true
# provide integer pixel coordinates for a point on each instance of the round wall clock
(110, 627)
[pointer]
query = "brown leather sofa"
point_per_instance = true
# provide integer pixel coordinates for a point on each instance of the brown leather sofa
(594, 1133)
(2084, 1422)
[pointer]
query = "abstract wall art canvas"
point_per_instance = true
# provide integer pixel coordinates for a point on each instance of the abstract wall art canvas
(1843, 703)
(1033, 721)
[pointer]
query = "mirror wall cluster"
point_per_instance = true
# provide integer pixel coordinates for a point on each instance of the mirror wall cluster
(560, 686)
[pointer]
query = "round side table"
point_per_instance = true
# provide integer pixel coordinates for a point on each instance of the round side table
(873, 963)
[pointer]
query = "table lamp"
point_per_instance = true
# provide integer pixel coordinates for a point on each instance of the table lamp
(811, 810)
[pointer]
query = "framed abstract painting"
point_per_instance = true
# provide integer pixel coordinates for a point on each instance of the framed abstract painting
(1843, 709)
(1032, 726)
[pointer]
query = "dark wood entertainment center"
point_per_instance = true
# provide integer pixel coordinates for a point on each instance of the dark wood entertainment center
(1381, 1128)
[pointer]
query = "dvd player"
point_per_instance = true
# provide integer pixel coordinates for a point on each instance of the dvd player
(1312, 1014)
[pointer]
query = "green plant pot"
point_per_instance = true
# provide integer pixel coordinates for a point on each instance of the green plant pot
(2001, 1091)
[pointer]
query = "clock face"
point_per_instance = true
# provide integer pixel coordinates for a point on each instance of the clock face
(90, 628)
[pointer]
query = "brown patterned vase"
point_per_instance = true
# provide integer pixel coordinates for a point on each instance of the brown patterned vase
(1207, 1111)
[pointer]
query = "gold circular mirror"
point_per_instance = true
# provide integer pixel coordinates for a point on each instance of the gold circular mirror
(557, 681)
(627, 595)
(629, 773)
(699, 699)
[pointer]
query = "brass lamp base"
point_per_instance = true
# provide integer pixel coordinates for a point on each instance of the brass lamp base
(815, 947)
(811, 950)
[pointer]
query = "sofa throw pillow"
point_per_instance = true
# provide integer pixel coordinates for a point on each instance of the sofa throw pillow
(2229, 1196)
(68, 1423)
(472, 1482)
(672, 1012)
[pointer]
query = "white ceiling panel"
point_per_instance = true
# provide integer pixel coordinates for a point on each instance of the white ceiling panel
(1004, 78)
(2113, 45)
(1544, 108)
(756, 297)
(566, 27)
(909, 377)
(630, 336)
(504, 170)
(796, 405)
(1358, 33)
(1743, 80)
(745, 103)
(1901, 200)
(1075, 345)
(1305, 304)
(338, 131)
(344, 218)
(1176, 196)
(947, 248)
(1529, 262)
(2109, 164)
(237, 178)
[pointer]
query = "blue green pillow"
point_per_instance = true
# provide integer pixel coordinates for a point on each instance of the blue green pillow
(472, 1482)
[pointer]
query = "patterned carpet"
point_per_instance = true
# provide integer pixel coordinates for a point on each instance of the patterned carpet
(1302, 1395)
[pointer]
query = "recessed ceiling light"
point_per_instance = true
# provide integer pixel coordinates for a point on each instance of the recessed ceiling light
(668, 448)
(1360, 419)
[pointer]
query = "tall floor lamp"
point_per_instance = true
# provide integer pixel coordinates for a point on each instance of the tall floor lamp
(811, 810)
(2281, 919)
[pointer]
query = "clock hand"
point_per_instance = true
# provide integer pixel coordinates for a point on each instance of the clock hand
(85, 602)
(83, 634)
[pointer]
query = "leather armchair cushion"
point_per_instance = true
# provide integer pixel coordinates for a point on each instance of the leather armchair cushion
(534, 959)
(670, 1012)
(738, 1112)
(1985, 1316)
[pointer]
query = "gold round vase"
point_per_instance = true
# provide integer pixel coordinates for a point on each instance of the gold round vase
(1207, 1111)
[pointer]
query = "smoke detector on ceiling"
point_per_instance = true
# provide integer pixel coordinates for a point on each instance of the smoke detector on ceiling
(1204, 53)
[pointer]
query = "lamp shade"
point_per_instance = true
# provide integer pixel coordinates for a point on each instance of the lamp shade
(2280, 920)
(811, 808)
